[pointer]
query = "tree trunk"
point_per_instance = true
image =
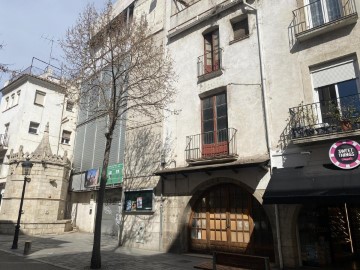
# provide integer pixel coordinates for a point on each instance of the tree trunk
(96, 256)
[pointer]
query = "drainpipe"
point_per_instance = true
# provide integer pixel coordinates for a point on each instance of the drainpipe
(263, 92)
(278, 237)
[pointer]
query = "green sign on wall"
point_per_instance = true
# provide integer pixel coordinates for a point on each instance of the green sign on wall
(114, 174)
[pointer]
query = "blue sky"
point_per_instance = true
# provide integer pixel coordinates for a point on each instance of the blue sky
(23, 23)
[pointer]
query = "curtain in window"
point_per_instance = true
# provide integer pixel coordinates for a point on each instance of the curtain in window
(317, 17)
(333, 9)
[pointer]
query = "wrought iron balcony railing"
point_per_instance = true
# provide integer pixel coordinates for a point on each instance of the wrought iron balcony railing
(219, 144)
(325, 117)
(321, 12)
(209, 62)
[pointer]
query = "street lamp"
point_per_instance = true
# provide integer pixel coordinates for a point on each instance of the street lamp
(26, 170)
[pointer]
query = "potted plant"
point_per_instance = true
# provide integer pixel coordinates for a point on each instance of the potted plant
(346, 115)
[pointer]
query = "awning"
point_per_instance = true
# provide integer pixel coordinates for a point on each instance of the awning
(236, 165)
(313, 184)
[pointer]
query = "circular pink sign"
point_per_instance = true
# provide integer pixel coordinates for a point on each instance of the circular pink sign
(345, 154)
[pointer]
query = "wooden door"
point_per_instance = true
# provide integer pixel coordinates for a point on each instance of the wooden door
(227, 218)
(214, 126)
(211, 52)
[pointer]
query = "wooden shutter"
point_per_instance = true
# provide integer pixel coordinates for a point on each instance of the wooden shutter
(216, 50)
(208, 53)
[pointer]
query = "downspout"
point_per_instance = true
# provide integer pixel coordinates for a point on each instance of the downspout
(61, 124)
(263, 92)
(278, 237)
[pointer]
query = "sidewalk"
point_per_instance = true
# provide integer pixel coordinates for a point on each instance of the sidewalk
(73, 251)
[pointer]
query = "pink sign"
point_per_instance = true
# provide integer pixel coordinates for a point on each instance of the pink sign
(345, 154)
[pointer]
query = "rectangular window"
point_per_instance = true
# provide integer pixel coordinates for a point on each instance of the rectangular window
(7, 103)
(65, 138)
(33, 128)
(39, 98)
(12, 100)
(18, 96)
(336, 90)
(211, 51)
(141, 200)
(69, 106)
(319, 12)
(240, 28)
(214, 125)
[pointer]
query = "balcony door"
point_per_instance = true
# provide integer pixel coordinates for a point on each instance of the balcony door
(343, 95)
(214, 126)
(211, 51)
(322, 11)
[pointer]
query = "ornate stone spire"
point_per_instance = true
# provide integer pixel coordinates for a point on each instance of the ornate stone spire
(44, 146)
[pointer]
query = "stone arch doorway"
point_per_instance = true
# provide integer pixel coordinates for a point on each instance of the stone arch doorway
(228, 218)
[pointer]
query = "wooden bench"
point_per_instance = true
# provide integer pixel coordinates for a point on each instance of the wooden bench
(232, 261)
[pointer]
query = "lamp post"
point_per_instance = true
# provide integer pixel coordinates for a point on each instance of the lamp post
(26, 170)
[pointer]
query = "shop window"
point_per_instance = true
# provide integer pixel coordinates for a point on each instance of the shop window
(240, 29)
(65, 138)
(39, 98)
(33, 128)
(141, 200)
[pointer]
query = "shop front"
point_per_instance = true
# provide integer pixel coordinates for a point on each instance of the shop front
(327, 197)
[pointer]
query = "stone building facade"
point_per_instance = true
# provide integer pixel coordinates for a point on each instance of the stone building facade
(45, 195)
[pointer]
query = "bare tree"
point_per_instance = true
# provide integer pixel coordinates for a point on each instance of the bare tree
(3, 67)
(119, 70)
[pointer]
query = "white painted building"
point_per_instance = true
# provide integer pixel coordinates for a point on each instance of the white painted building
(30, 101)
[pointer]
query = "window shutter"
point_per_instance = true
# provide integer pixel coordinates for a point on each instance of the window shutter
(39, 98)
(333, 73)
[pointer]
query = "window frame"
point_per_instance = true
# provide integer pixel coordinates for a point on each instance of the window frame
(212, 48)
(238, 21)
(71, 106)
(37, 128)
(41, 93)
(217, 142)
(65, 140)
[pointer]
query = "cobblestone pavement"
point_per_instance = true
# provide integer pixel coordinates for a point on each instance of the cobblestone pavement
(73, 251)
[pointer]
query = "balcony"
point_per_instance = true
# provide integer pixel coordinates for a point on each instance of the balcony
(186, 14)
(325, 120)
(322, 16)
(211, 147)
(209, 65)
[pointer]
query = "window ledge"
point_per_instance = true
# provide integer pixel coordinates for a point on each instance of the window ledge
(38, 105)
(10, 108)
(139, 212)
(210, 75)
(33, 133)
(238, 39)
